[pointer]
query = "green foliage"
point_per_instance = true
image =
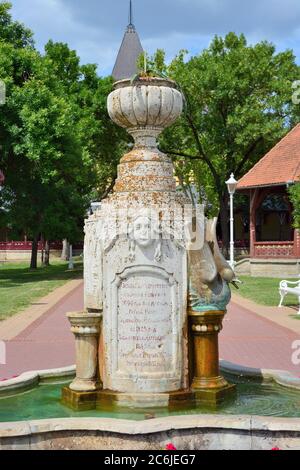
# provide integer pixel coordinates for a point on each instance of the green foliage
(13, 32)
(59, 149)
(294, 194)
(238, 105)
(58, 146)
(153, 66)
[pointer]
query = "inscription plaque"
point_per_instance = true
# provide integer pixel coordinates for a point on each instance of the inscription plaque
(145, 324)
(143, 321)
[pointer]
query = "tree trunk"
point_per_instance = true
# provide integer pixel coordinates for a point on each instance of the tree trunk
(224, 219)
(46, 261)
(34, 252)
(43, 251)
(65, 250)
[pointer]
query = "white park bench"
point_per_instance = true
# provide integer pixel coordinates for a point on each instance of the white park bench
(285, 287)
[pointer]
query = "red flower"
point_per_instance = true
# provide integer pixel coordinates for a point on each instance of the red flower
(275, 448)
(170, 447)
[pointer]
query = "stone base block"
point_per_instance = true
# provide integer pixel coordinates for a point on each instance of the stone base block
(215, 396)
(109, 400)
(172, 400)
(79, 401)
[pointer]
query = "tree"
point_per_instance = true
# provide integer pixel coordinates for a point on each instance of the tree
(294, 194)
(104, 142)
(238, 104)
(13, 32)
(43, 158)
(58, 145)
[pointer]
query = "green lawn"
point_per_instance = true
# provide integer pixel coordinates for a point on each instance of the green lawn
(19, 286)
(264, 291)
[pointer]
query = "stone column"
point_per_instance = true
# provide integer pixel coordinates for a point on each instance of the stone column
(253, 197)
(208, 385)
(86, 328)
(297, 243)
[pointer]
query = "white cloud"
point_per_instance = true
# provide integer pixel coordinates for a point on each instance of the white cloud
(94, 28)
(56, 21)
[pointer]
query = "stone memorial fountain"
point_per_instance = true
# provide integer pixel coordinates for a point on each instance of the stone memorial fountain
(156, 285)
(156, 292)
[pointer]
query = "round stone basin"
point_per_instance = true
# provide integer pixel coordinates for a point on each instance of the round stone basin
(262, 415)
(43, 402)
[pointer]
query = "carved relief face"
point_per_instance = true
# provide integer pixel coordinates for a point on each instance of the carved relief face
(142, 231)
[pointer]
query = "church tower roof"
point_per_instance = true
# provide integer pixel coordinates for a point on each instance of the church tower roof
(130, 50)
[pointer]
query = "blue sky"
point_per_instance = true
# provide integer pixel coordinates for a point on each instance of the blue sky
(94, 28)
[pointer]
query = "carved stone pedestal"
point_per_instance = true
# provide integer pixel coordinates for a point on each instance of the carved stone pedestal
(208, 385)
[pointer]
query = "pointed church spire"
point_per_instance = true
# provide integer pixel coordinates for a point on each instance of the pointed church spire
(130, 50)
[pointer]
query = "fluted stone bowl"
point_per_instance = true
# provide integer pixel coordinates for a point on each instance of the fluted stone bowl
(146, 102)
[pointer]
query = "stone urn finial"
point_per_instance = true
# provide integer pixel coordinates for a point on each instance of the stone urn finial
(145, 107)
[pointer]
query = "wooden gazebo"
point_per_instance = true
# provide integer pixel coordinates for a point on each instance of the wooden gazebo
(272, 235)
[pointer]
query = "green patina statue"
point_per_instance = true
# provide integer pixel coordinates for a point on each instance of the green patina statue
(209, 272)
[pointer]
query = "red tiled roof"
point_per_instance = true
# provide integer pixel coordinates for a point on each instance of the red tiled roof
(279, 166)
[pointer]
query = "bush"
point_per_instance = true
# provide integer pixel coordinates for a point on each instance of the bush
(294, 193)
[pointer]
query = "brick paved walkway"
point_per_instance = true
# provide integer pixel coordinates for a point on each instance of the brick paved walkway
(254, 341)
(247, 339)
(47, 343)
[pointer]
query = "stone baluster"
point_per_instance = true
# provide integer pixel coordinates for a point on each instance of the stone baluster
(86, 328)
(209, 386)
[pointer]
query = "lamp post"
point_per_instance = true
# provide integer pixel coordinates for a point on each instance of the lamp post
(231, 185)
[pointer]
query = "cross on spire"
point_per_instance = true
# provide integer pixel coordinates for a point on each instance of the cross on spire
(130, 13)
